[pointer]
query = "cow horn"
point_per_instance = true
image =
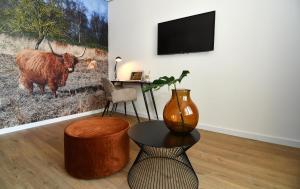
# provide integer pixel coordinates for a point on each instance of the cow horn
(81, 54)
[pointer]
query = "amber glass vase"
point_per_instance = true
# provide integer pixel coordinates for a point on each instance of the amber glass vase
(180, 113)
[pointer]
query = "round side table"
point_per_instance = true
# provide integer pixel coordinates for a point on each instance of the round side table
(162, 161)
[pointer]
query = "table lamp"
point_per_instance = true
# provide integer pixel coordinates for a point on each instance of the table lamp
(118, 59)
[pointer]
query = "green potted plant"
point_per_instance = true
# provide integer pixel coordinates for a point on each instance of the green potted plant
(180, 113)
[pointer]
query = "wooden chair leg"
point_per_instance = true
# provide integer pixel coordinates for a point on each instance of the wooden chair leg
(116, 107)
(137, 116)
(125, 108)
(106, 108)
(112, 109)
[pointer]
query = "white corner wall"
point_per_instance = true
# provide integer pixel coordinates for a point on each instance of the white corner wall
(248, 86)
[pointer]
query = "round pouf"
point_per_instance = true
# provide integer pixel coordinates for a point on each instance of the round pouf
(96, 147)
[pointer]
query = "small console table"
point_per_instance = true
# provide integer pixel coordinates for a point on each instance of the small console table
(142, 84)
(162, 161)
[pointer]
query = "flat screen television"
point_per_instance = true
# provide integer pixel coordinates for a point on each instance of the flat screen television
(189, 34)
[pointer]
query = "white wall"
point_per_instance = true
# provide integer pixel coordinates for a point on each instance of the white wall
(248, 86)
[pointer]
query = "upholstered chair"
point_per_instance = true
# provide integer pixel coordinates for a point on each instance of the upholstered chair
(115, 96)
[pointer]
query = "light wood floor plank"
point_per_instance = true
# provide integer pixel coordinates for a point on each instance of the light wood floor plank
(34, 158)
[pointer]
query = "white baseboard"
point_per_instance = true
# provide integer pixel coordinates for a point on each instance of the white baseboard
(48, 121)
(238, 133)
(251, 135)
(208, 127)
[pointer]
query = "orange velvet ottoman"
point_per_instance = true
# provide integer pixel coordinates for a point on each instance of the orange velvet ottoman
(96, 147)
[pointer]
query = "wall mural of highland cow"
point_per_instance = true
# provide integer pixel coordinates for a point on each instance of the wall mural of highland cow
(53, 54)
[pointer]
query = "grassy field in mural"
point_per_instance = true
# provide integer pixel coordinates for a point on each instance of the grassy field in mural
(53, 32)
(83, 90)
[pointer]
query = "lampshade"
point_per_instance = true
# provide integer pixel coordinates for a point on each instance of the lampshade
(118, 59)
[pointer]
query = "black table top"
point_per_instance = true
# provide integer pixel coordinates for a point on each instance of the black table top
(156, 134)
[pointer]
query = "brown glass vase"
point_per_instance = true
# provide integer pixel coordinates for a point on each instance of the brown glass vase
(180, 113)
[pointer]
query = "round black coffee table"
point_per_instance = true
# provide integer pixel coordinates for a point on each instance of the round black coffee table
(162, 161)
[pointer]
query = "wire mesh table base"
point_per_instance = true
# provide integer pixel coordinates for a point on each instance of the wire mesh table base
(156, 168)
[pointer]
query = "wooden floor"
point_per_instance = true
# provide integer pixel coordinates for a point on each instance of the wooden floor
(34, 158)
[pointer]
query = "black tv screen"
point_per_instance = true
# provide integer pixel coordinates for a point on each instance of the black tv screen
(190, 34)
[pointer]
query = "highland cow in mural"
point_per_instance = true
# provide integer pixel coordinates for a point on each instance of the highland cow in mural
(44, 69)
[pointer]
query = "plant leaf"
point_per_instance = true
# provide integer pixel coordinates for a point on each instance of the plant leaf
(165, 80)
(183, 74)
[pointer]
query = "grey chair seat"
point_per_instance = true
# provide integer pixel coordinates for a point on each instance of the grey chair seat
(117, 95)
(123, 95)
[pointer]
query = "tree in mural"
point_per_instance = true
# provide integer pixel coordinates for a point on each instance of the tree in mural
(67, 21)
(75, 14)
(40, 18)
(96, 26)
(98, 29)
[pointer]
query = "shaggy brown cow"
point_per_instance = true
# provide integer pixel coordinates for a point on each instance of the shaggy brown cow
(44, 68)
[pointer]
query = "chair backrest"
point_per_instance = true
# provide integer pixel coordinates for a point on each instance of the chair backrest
(108, 86)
